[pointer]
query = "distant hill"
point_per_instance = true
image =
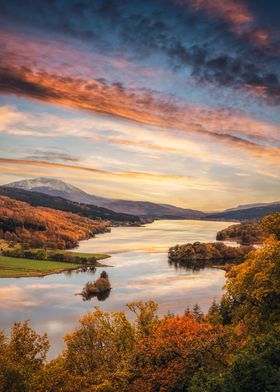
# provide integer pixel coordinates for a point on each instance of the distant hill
(139, 208)
(58, 203)
(241, 214)
(252, 205)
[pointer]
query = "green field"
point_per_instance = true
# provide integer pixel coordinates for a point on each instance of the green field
(16, 267)
(98, 256)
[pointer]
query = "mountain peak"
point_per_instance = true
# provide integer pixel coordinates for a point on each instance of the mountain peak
(54, 187)
(43, 182)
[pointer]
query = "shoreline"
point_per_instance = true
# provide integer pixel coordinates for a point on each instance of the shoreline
(75, 266)
(41, 275)
(15, 265)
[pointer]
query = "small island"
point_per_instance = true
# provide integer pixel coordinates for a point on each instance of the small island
(200, 255)
(100, 288)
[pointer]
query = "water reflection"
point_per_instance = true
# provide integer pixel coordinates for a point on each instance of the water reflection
(140, 272)
(100, 296)
(199, 265)
(89, 269)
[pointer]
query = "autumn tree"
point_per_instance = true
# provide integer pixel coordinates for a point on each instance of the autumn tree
(22, 358)
(271, 224)
(179, 347)
(256, 367)
(146, 317)
(104, 275)
(97, 351)
(253, 289)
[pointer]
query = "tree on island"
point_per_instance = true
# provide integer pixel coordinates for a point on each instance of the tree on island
(100, 288)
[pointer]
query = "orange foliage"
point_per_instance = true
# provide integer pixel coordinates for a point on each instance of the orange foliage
(44, 227)
(180, 346)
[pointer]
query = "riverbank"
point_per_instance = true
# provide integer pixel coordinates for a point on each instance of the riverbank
(16, 267)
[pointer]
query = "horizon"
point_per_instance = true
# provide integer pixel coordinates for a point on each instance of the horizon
(162, 203)
(173, 101)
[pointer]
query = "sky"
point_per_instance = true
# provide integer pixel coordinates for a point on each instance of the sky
(171, 101)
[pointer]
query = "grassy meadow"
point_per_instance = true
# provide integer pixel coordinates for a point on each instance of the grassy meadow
(18, 267)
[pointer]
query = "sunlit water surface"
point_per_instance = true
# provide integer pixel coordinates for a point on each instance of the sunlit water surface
(139, 271)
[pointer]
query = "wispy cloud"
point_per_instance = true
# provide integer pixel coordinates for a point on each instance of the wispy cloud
(142, 106)
(51, 155)
(196, 135)
(126, 175)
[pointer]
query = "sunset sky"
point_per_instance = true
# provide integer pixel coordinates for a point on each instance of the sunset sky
(171, 101)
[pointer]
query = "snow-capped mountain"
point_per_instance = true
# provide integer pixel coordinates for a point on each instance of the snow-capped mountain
(54, 187)
(43, 182)
(60, 188)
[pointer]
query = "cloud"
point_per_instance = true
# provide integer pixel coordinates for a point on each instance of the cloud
(227, 63)
(192, 132)
(16, 297)
(51, 155)
(124, 179)
(241, 73)
(99, 96)
(236, 14)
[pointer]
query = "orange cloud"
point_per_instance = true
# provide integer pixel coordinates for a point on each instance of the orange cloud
(235, 13)
(140, 106)
(126, 178)
(231, 128)
(127, 175)
(23, 73)
(268, 155)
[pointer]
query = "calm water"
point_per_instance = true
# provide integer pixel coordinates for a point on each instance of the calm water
(139, 271)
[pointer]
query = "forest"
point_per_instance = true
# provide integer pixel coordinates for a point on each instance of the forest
(37, 199)
(40, 227)
(199, 255)
(235, 347)
(245, 233)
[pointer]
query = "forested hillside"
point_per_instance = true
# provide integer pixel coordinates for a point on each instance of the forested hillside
(145, 209)
(58, 203)
(44, 227)
(245, 213)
